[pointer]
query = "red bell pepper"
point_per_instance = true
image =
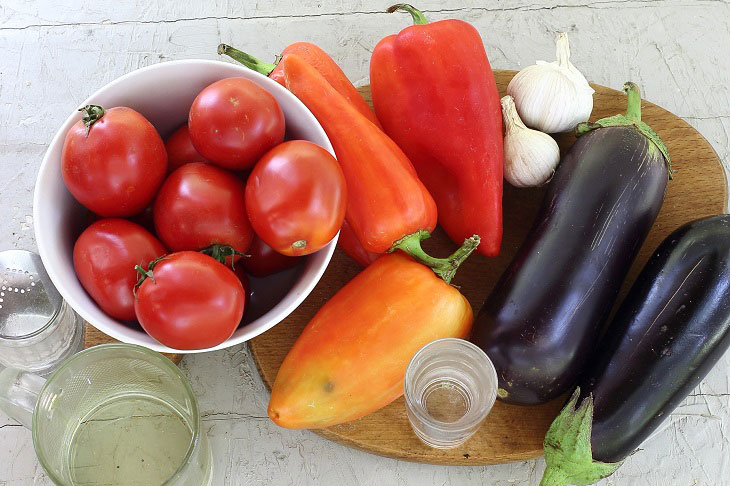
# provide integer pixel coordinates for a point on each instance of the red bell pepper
(435, 94)
(352, 247)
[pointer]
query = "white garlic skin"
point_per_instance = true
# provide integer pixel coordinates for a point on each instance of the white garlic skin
(552, 96)
(530, 156)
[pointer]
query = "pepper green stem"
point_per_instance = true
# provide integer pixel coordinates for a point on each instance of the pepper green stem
(632, 118)
(92, 114)
(443, 267)
(246, 59)
(418, 17)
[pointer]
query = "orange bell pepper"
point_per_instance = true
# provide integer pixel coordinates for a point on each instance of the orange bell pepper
(386, 201)
(319, 60)
(329, 69)
(351, 358)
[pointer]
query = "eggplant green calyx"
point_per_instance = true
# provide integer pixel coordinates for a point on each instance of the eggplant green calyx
(631, 118)
(568, 447)
(221, 252)
(247, 60)
(418, 17)
(92, 114)
(146, 274)
(443, 267)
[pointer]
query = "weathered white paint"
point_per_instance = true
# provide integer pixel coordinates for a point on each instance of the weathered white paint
(53, 54)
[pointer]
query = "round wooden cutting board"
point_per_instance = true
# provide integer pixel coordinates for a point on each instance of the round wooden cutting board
(510, 432)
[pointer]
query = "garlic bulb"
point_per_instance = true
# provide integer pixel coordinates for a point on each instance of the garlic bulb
(530, 157)
(552, 96)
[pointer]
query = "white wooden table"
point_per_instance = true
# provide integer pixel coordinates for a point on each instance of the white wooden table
(54, 54)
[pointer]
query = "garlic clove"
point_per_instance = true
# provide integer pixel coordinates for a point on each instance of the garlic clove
(530, 156)
(552, 96)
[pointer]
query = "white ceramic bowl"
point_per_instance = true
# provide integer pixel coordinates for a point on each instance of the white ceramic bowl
(163, 93)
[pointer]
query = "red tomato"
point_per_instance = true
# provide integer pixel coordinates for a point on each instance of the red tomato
(104, 258)
(180, 149)
(264, 260)
(200, 205)
(296, 197)
(116, 168)
(194, 302)
(234, 121)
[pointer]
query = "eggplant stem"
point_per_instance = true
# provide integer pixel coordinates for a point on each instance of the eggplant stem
(247, 60)
(553, 477)
(567, 444)
(632, 118)
(418, 17)
(633, 107)
(443, 267)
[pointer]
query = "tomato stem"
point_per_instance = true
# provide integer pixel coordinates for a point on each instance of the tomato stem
(443, 267)
(145, 274)
(247, 60)
(220, 253)
(92, 114)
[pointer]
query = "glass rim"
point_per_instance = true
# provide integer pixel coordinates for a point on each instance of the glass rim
(468, 420)
(40, 330)
(153, 355)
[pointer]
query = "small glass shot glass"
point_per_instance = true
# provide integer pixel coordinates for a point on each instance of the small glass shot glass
(450, 386)
(38, 329)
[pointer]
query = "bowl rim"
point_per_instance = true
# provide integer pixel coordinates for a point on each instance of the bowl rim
(116, 331)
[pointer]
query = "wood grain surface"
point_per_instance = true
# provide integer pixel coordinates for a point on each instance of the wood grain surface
(510, 432)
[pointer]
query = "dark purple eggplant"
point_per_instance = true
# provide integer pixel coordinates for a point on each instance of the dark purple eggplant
(670, 330)
(542, 319)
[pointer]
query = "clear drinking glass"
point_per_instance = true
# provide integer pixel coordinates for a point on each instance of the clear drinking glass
(38, 329)
(115, 414)
(450, 386)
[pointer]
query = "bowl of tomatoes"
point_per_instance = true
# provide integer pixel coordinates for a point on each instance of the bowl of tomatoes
(188, 206)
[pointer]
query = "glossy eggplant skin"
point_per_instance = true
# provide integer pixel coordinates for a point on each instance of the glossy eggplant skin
(541, 320)
(668, 333)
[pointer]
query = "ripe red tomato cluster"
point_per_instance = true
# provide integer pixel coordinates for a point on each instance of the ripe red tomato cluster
(171, 220)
